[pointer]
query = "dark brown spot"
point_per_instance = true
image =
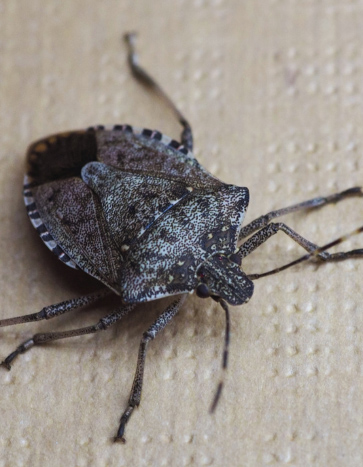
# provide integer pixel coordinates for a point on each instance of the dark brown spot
(61, 156)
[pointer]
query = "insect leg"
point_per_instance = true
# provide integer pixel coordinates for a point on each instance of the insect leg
(310, 204)
(46, 337)
(143, 76)
(266, 232)
(334, 257)
(58, 309)
(149, 335)
(271, 229)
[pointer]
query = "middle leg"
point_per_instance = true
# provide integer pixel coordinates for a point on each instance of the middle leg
(269, 230)
(149, 335)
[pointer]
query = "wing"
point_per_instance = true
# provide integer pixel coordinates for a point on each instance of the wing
(73, 215)
(131, 202)
(149, 152)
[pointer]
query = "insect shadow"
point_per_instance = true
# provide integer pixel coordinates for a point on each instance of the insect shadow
(135, 210)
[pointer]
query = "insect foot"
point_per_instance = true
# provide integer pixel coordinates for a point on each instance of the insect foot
(21, 349)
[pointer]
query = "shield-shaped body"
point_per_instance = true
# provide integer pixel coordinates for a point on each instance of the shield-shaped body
(130, 207)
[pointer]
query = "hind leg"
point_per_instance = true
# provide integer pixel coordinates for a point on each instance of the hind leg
(143, 76)
(52, 311)
(43, 338)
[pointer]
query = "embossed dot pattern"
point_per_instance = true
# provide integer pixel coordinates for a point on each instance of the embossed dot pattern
(273, 89)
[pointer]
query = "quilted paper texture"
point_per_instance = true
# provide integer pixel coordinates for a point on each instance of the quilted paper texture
(273, 89)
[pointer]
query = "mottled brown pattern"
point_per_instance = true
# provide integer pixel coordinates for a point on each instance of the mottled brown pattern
(117, 191)
(143, 218)
(139, 154)
(73, 214)
(153, 266)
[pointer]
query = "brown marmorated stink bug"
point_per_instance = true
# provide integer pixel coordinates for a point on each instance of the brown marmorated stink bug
(134, 209)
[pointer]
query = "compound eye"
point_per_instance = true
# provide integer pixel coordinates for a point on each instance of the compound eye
(202, 291)
(235, 258)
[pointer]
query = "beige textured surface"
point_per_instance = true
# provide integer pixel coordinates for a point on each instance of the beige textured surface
(273, 89)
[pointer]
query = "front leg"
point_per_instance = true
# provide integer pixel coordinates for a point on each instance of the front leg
(265, 233)
(313, 203)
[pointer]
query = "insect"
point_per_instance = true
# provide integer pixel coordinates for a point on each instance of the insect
(135, 210)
